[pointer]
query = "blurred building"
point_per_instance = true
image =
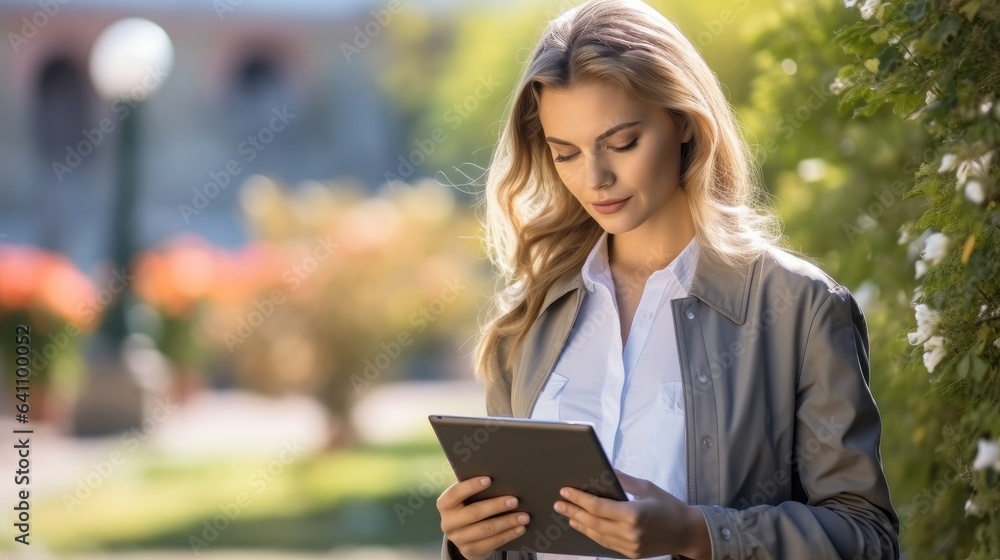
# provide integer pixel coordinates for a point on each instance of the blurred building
(256, 87)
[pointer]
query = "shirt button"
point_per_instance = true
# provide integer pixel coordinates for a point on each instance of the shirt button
(717, 508)
(689, 314)
(725, 533)
(707, 441)
(702, 377)
(647, 315)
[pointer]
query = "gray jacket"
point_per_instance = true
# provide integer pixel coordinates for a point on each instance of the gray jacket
(783, 434)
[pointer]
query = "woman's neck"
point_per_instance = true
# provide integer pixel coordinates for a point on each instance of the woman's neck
(657, 242)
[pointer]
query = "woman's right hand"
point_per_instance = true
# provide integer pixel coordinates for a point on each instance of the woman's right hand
(467, 526)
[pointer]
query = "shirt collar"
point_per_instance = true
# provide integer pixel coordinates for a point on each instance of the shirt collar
(721, 287)
(596, 268)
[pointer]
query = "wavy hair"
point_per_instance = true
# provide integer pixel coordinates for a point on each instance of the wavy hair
(536, 231)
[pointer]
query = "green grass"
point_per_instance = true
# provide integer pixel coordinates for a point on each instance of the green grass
(372, 495)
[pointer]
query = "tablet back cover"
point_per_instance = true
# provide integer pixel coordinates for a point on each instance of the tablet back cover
(532, 459)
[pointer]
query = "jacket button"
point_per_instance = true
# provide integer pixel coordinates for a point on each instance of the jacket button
(702, 377)
(647, 315)
(689, 314)
(725, 533)
(717, 508)
(707, 441)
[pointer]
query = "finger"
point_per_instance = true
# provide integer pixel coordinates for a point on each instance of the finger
(635, 486)
(485, 546)
(588, 519)
(488, 529)
(610, 540)
(601, 507)
(475, 512)
(455, 495)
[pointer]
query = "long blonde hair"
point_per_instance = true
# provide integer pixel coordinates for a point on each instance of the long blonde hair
(537, 232)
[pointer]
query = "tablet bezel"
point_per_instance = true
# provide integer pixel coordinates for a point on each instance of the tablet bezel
(569, 453)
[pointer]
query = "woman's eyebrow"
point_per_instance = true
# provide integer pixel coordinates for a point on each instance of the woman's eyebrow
(602, 136)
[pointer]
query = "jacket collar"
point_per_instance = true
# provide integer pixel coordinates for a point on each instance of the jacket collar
(723, 288)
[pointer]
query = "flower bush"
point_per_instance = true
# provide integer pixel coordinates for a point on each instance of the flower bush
(937, 63)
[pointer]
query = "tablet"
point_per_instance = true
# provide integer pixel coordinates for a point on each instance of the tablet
(532, 460)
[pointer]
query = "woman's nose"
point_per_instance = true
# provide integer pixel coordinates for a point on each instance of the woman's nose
(598, 173)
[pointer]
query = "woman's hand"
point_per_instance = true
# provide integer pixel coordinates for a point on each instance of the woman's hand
(654, 524)
(466, 525)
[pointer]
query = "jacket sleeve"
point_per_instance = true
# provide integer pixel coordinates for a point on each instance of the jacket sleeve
(846, 511)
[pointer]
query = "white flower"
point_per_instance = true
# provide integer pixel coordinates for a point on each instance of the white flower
(948, 162)
(987, 455)
(904, 237)
(979, 166)
(850, 3)
(985, 107)
(927, 322)
(930, 97)
(921, 266)
(972, 509)
(933, 352)
(974, 192)
(996, 343)
(935, 248)
(868, 10)
(838, 85)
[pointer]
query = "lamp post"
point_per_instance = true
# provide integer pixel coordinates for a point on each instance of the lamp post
(129, 61)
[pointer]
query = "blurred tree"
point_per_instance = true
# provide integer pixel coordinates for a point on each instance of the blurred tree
(362, 287)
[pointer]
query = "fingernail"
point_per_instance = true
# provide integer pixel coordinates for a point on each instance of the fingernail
(564, 493)
(518, 530)
(522, 519)
(485, 481)
(511, 502)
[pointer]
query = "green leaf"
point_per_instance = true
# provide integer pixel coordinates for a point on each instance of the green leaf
(880, 35)
(946, 29)
(970, 9)
(963, 366)
(979, 368)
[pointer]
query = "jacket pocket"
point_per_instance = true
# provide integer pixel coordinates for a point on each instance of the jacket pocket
(547, 405)
(665, 459)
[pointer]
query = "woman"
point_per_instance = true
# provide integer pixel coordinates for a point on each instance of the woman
(731, 393)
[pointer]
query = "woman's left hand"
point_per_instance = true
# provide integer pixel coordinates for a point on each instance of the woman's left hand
(654, 524)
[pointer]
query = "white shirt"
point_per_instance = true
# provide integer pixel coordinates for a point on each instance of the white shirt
(636, 401)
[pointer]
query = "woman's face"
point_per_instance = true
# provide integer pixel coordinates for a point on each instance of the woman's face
(609, 147)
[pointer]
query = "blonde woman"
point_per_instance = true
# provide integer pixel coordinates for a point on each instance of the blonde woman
(648, 292)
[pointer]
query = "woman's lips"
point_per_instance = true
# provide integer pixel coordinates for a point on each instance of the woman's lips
(611, 208)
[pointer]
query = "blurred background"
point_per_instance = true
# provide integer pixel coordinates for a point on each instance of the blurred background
(243, 234)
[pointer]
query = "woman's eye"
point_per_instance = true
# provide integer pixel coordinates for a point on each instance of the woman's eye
(631, 146)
